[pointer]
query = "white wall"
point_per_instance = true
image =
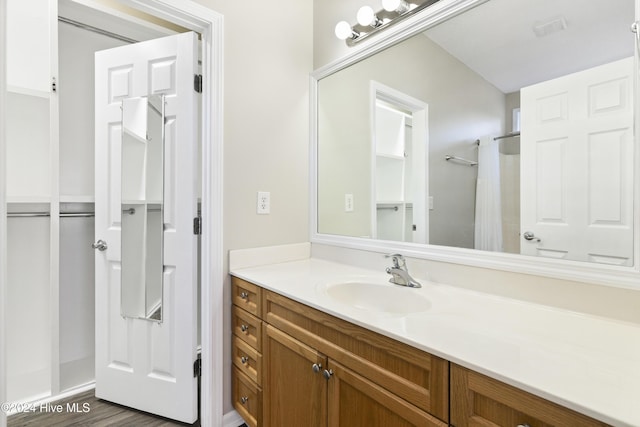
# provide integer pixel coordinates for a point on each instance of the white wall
(267, 58)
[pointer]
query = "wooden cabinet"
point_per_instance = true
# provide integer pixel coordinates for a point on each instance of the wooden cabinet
(310, 368)
(247, 351)
(479, 400)
(295, 393)
(295, 365)
(354, 400)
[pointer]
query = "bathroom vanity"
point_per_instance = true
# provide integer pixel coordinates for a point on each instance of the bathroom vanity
(308, 352)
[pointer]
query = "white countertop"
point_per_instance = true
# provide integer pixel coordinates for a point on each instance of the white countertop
(583, 362)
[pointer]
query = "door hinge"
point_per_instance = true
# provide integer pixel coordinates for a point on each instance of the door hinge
(197, 367)
(54, 86)
(197, 83)
(197, 225)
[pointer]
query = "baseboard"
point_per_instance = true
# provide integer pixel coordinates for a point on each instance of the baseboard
(232, 419)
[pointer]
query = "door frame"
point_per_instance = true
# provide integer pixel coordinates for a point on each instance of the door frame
(209, 24)
(420, 146)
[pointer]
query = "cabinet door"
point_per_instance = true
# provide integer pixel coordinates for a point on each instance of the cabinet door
(477, 400)
(355, 401)
(293, 394)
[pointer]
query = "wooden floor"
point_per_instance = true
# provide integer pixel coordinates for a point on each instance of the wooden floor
(97, 413)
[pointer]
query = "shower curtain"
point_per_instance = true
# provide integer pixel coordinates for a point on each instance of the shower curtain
(488, 225)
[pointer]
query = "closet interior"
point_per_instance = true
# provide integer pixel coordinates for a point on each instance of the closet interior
(50, 190)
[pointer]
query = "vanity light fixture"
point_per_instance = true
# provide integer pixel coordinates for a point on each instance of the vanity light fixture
(369, 21)
(344, 31)
(367, 17)
(399, 6)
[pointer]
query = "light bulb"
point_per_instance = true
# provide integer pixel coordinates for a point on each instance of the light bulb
(343, 30)
(366, 16)
(400, 6)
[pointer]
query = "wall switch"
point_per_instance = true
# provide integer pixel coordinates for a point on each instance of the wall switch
(264, 202)
(348, 202)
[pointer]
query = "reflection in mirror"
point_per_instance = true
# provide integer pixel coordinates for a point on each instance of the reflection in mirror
(534, 113)
(142, 203)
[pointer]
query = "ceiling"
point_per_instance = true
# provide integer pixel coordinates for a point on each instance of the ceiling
(497, 39)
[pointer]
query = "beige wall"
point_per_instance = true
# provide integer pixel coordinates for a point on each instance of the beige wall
(267, 59)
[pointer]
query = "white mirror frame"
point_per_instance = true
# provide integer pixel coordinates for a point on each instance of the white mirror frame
(624, 277)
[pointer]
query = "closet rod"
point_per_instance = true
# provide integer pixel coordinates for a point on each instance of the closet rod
(77, 214)
(46, 214)
(26, 214)
(96, 30)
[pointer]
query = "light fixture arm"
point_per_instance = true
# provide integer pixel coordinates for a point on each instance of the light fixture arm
(374, 23)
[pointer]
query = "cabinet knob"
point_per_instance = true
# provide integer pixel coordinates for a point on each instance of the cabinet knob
(244, 295)
(523, 425)
(244, 359)
(244, 328)
(316, 367)
(327, 373)
(244, 399)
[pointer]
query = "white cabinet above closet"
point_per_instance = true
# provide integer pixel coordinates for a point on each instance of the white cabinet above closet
(29, 50)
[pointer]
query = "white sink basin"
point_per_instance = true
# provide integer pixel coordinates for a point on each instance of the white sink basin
(377, 296)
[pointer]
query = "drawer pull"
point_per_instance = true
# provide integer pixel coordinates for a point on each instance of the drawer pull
(327, 373)
(244, 295)
(244, 360)
(316, 367)
(244, 399)
(244, 328)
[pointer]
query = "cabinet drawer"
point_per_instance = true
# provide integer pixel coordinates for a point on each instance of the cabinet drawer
(246, 296)
(247, 327)
(247, 399)
(247, 360)
(479, 400)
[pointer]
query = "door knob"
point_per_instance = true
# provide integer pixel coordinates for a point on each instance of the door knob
(528, 235)
(100, 245)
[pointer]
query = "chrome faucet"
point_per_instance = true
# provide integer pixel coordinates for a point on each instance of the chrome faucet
(400, 273)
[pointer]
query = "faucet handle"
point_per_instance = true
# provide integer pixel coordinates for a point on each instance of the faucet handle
(396, 258)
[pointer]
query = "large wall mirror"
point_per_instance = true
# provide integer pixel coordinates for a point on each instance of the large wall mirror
(142, 202)
(495, 133)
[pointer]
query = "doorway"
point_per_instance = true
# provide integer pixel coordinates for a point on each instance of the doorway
(208, 24)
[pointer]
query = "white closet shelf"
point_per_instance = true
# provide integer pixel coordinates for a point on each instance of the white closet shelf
(77, 199)
(28, 199)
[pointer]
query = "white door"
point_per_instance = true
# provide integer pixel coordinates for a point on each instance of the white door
(140, 363)
(577, 158)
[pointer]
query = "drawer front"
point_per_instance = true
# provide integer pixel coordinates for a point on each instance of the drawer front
(479, 400)
(246, 295)
(247, 360)
(247, 327)
(247, 399)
